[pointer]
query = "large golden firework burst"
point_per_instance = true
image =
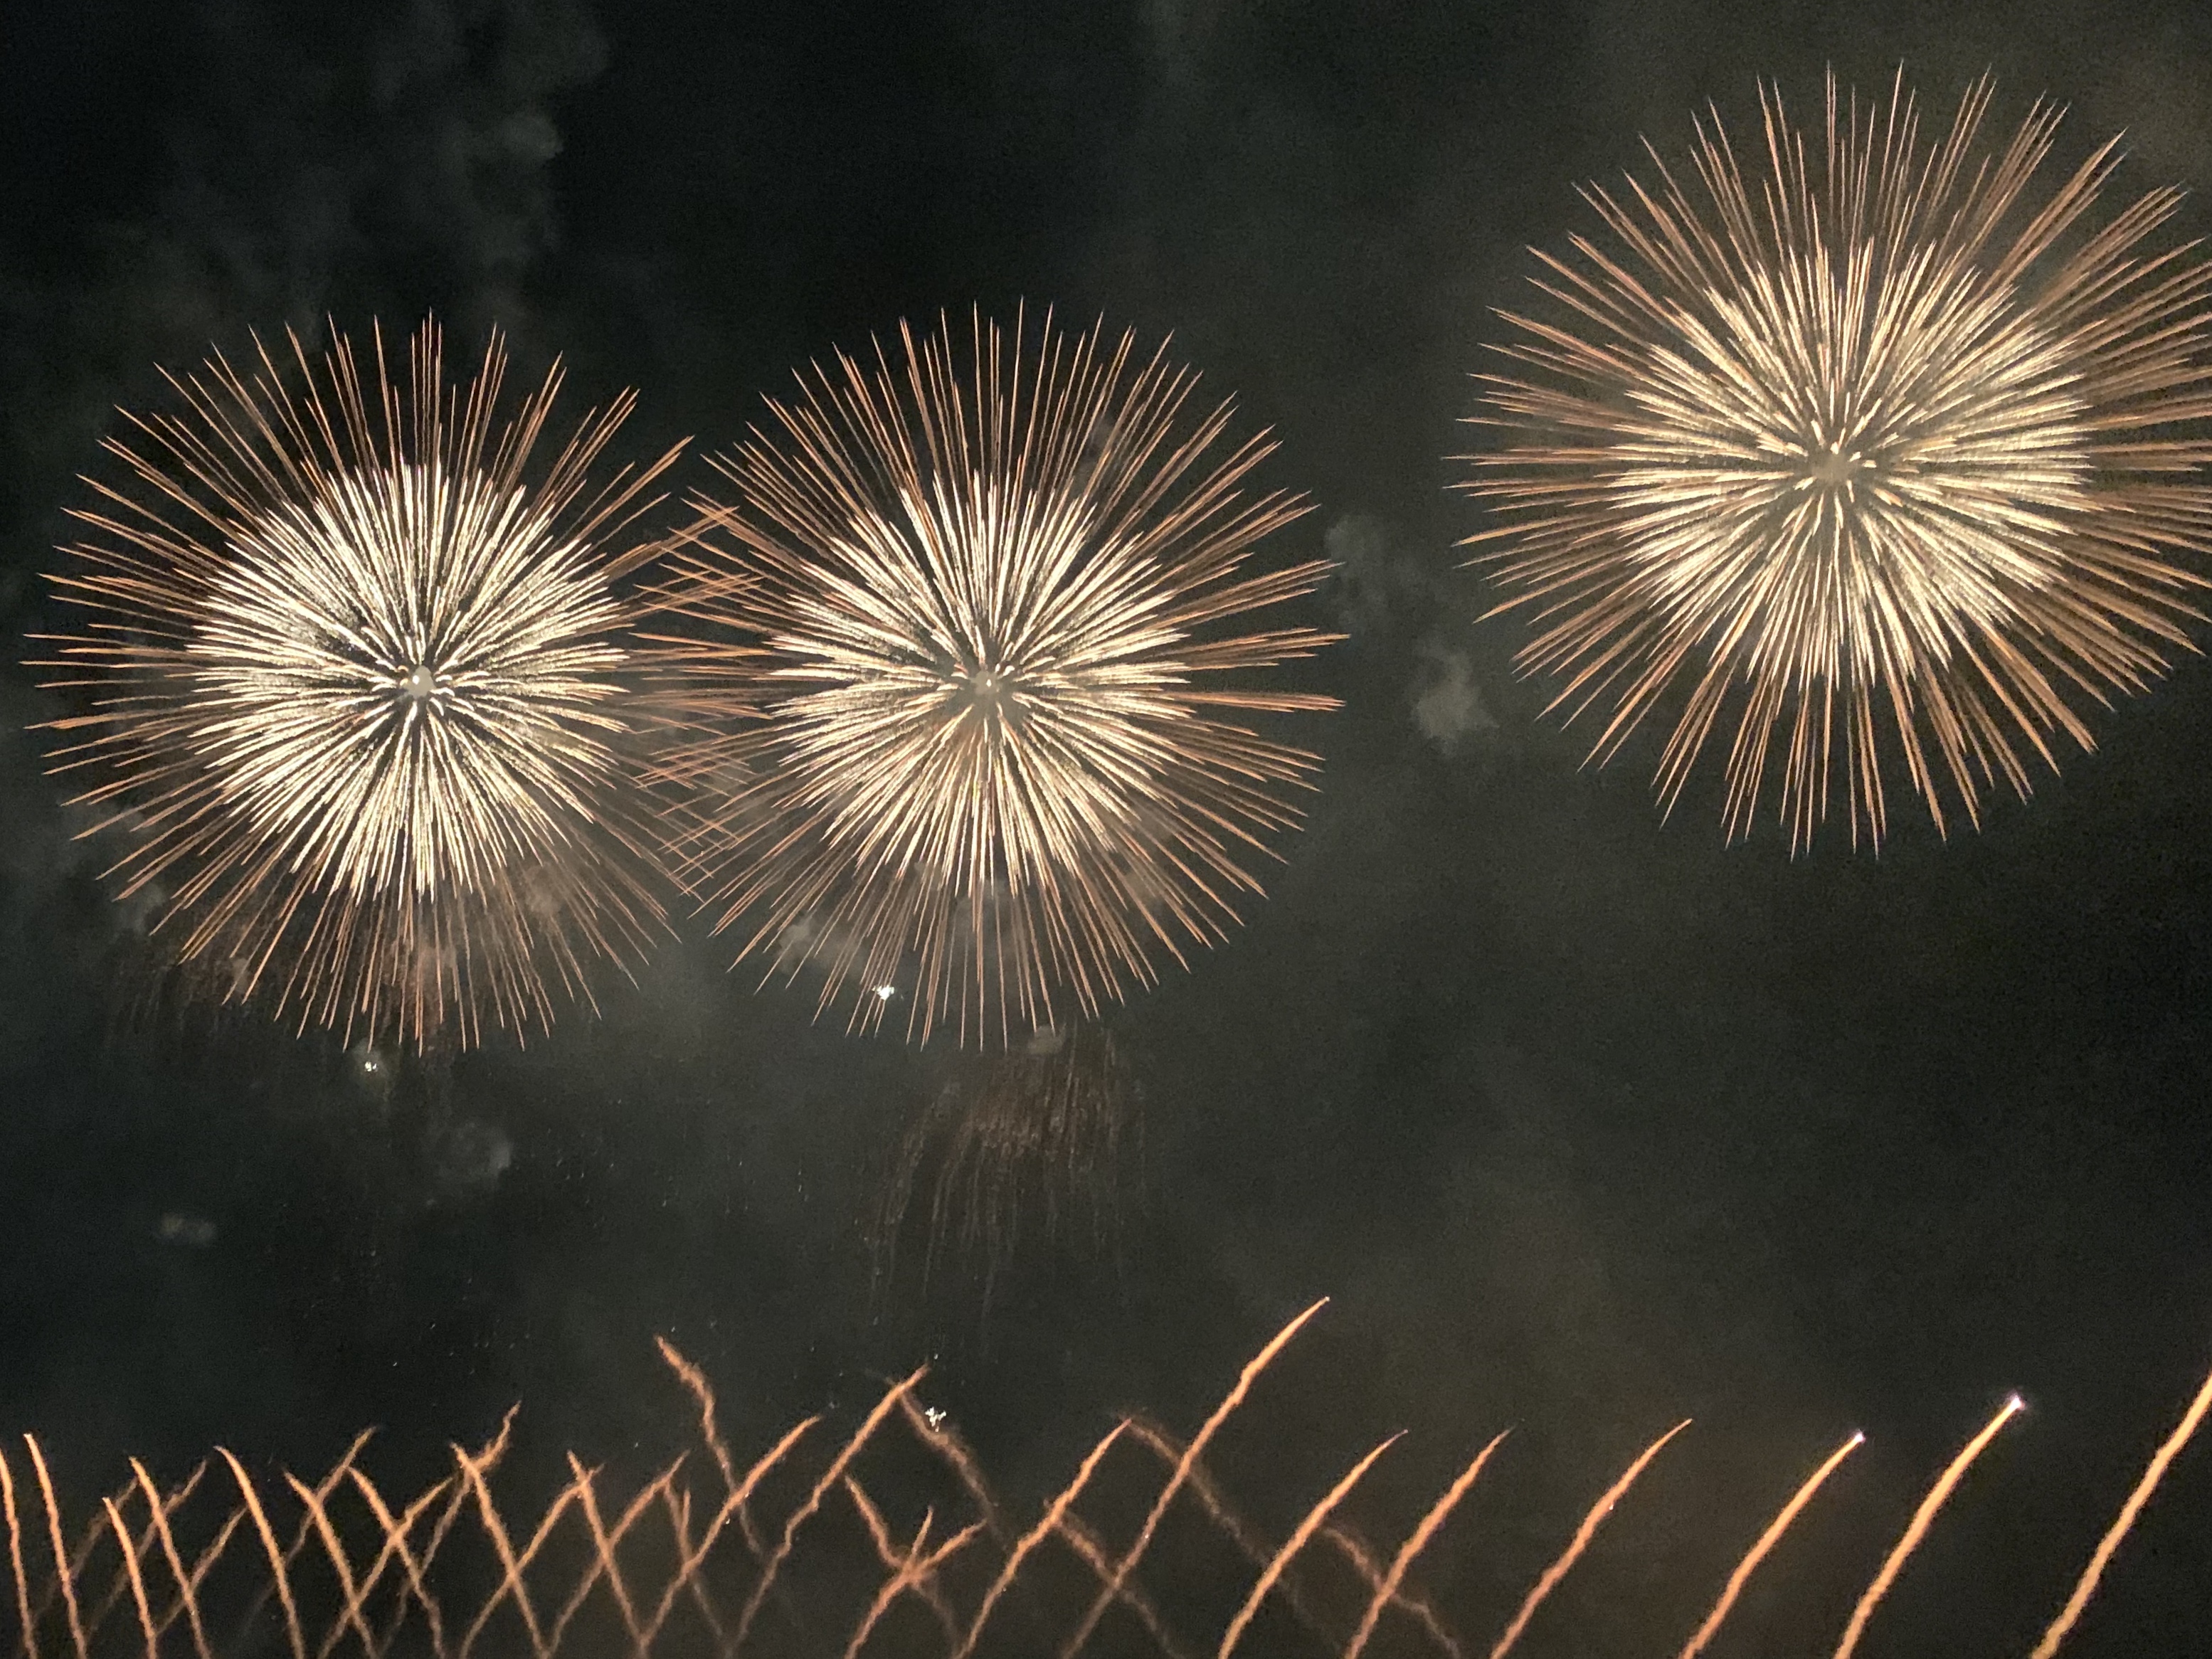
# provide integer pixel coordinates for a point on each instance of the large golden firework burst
(1893, 452)
(354, 691)
(979, 750)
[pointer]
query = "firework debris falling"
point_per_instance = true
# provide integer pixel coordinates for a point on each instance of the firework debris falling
(1037, 1145)
(354, 691)
(984, 751)
(1901, 449)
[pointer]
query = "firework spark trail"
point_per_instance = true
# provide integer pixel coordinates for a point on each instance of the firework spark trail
(1051, 1521)
(2062, 1627)
(1573, 1553)
(1213, 1504)
(1280, 1563)
(1386, 1588)
(1886, 454)
(1113, 1584)
(1767, 1539)
(357, 693)
(965, 621)
(568, 1571)
(1922, 1519)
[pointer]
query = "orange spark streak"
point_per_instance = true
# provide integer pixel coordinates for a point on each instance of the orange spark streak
(1584, 1533)
(1767, 1541)
(2064, 1624)
(1922, 1519)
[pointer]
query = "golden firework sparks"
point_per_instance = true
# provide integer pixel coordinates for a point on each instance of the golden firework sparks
(354, 690)
(978, 752)
(1894, 452)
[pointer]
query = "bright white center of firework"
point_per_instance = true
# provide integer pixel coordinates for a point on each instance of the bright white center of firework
(1836, 441)
(886, 993)
(987, 685)
(1836, 467)
(399, 670)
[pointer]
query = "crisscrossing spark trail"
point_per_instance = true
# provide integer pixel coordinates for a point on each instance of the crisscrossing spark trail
(979, 750)
(1893, 454)
(356, 691)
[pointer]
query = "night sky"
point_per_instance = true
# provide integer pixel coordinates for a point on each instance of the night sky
(1586, 1121)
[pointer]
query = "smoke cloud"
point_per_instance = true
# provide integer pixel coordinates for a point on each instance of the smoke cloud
(1389, 594)
(380, 161)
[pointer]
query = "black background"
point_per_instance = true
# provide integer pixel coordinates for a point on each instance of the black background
(1585, 1121)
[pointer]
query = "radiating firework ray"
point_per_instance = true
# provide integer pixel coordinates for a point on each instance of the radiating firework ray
(355, 690)
(982, 747)
(1896, 454)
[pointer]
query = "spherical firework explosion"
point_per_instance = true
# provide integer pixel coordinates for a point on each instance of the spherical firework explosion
(356, 692)
(976, 756)
(1900, 447)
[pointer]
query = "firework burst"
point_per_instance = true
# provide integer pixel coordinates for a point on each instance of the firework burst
(979, 750)
(1898, 453)
(354, 694)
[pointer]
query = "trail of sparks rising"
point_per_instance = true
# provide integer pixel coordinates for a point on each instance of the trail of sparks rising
(1386, 1588)
(976, 753)
(1842, 451)
(1922, 1519)
(356, 691)
(2109, 1545)
(1580, 1541)
(1759, 1551)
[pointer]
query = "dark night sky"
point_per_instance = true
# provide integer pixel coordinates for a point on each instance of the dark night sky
(1586, 1121)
